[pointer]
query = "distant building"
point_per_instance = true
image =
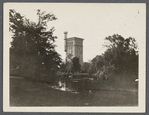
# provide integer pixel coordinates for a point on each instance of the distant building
(74, 47)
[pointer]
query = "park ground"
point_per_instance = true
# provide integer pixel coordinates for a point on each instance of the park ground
(114, 92)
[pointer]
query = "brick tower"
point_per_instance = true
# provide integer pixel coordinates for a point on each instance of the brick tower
(74, 46)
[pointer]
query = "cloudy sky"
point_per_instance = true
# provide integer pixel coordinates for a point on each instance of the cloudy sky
(91, 21)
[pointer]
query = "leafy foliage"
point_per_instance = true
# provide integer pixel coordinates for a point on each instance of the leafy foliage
(63, 67)
(121, 56)
(85, 67)
(76, 65)
(33, 44)
(122, 53)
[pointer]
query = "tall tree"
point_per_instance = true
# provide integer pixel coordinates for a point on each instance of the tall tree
(76, 65)
(32, 46)
(121, 52)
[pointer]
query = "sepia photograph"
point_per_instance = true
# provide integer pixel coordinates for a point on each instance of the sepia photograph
(74, 57)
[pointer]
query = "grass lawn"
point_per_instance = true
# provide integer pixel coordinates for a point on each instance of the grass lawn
(24, 92)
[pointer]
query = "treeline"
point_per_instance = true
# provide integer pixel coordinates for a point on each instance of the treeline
(72, 66)
(32, 50)
(121, 56)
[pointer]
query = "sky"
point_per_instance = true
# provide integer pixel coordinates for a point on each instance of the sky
(90, 21)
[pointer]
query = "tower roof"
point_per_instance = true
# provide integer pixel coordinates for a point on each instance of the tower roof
(76, 38)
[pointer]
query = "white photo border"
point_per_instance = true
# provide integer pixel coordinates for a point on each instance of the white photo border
(142, 75)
